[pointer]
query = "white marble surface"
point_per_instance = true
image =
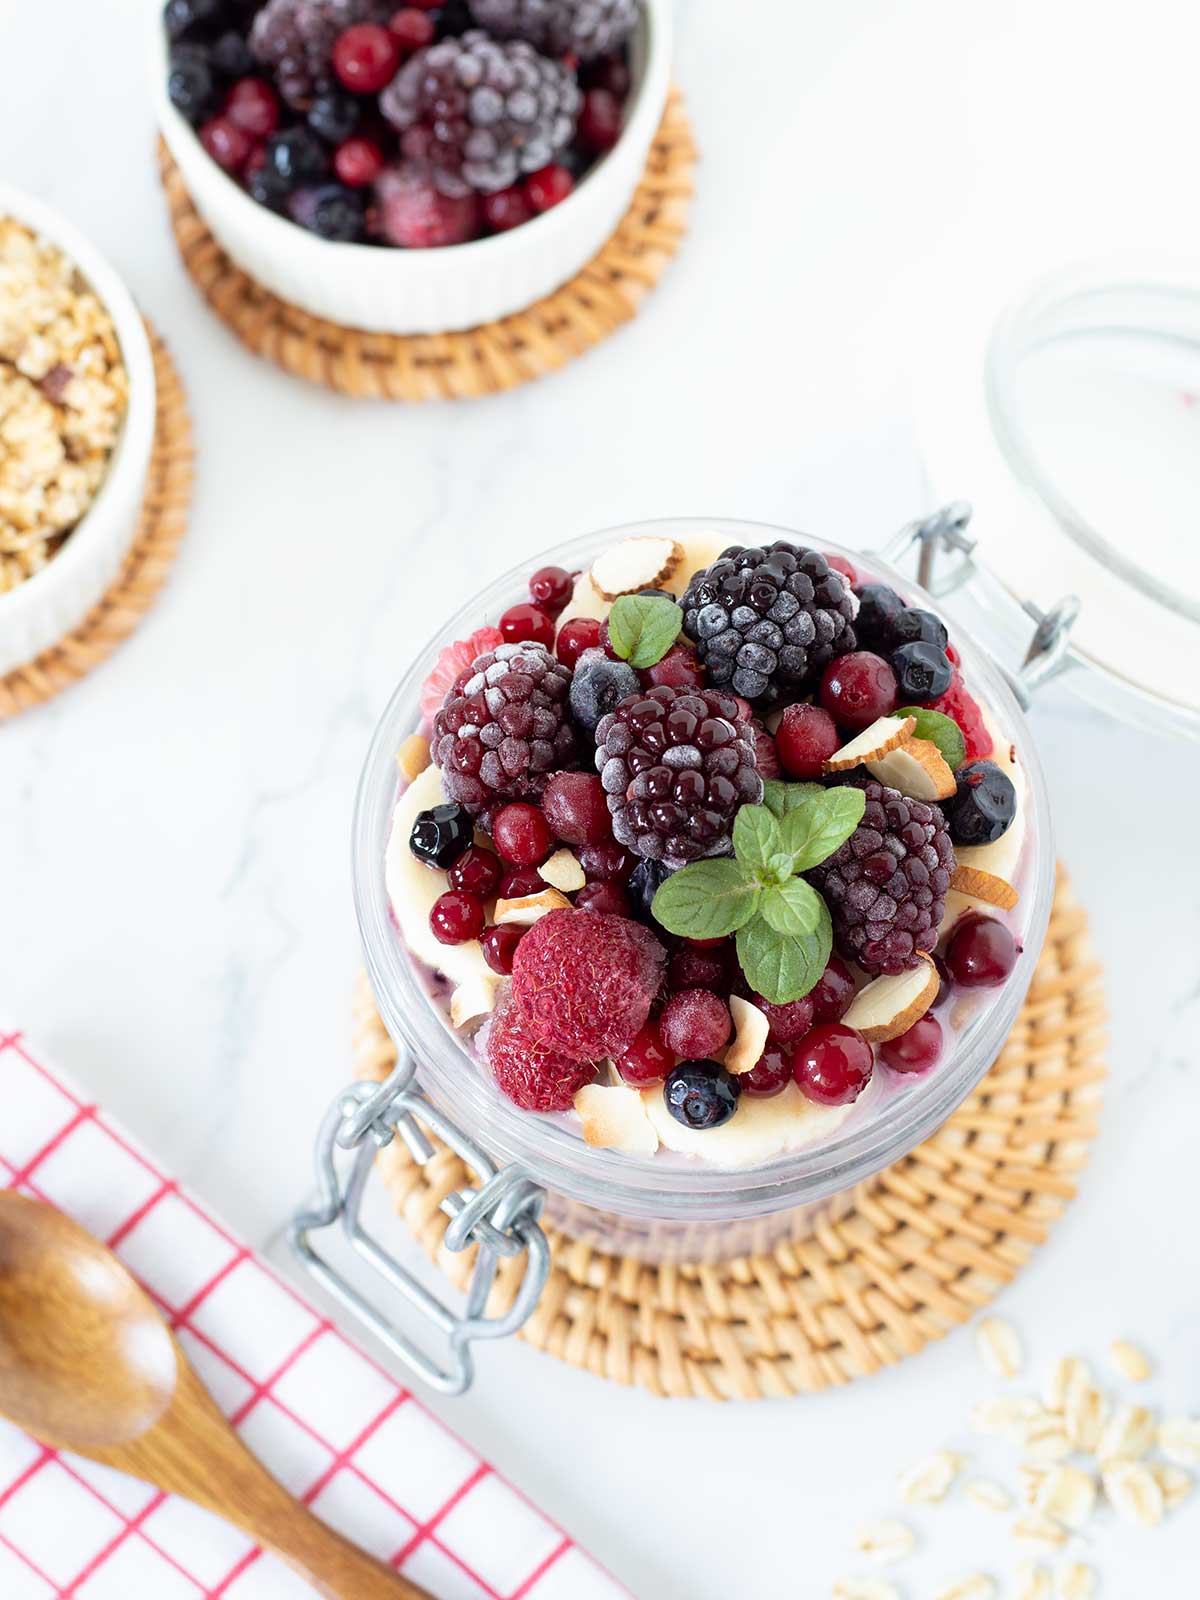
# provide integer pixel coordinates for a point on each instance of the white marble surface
(174, 833)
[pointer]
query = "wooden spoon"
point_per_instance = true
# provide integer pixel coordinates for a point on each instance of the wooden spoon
(88, 1364)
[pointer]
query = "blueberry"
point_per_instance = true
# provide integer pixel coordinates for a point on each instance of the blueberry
(295, 157)
(914, 626)
(878, 609)
(701, 1094)
(231, 55)
(454, 18)
(440, 836)
(335, 116)
(983, 805)
(187, 18)
(192, 85)
(598, 685)
(923, 673)
(646, 879)
(331, 210)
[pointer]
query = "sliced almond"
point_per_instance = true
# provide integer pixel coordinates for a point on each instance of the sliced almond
(982, 885)
(1130, 1360)
(413, 757)
(563, 872)
(888, 733)
(615, 1119)
(636, 563)
(888, 1006)
(917, 768)
(473, 1000)
(751, 1038)
(527, 908)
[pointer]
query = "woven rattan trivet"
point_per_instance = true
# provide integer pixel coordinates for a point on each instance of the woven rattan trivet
(162, 525)
(483, 360)
(922, 1247)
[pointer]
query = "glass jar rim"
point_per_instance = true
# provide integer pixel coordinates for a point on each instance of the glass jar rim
(552, 1154)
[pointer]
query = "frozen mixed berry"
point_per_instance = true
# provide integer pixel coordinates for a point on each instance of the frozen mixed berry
(645, 881)
(230, 55)
(254, 106)
(647, 1061)
(886, 886)
(770, 1074)
(520, 882)
(680, 668)
(295, 157)
(846, 568)
(331, 211)
(503, 728)
(576, 809)
(416, 215)
(574, 637)
(440, 836)
(532, 1073)
(522, 835)
(961, 707)
(981, 953)
(413, 28)
(833, 1065)
(833, 992)
(586, 981)
(878, 609)
(923, 673)
(701, 1094)
(606, 863)
(526, 623)
(599, 685)
(914, 626)
(548, 187)
(226, 143)
(295, 39)
(583, 28)
(477, 871)
(610, 898)
(192, 85)
(457, 916)
(451, 663)
(805, 739)
(702, 967)
(185, 19)
(499, 945)
(676, 766)
(914, 1051)
(766, 756)
(335, 116)
(983, 806)
(600, 119)
(695, 1023)
(505, 210)
(358, 162)
(788, 1022)
(857, 689)
(551, 588)
(768, 620)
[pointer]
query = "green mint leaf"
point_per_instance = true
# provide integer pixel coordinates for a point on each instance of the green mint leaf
(781, 968)
(756, 838)
(643, 627)
(707, 900)
(941, 731)
(781, 798)
(793, 909)
(815, 829)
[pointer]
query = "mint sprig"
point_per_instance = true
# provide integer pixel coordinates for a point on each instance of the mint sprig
(784, 931)
(643, 627)
(940, 730)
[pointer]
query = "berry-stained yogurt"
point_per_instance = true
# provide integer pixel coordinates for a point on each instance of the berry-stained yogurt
(708, 850)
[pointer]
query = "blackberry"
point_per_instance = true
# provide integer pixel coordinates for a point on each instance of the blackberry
(768, 620)
(586, 28)
(295, 39)
(923, 672)
(503, 727)
(984, 805)
(192, 85)
(886, 886)
(481, 112)
(676, 764)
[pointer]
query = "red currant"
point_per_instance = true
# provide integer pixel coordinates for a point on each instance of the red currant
(606, 863)
(607, 897)
(599, 125)
(548, 187)
(858, 688)
(412, 29)
(499, 946)
(365, 57)
(521, 835)
(701, 969)
(507, 208)
(456, 917)
(679, 669)
(358, 162)
(576, 808)
(551, 588)
(833, 1065)
(574, 637)
(254, 106)
(915, 1050)
(476, 870)
(833, 992)
(805, 739)
(695, 1024)
(228, 145)
(647, 1061)
(518, 883)
(524, 623)
(982, 953)
(770, 1074)
(788, 1023)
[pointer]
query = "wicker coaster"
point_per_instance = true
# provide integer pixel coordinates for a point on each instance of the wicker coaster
(921, 1249)
(162, 525)
(484, 360)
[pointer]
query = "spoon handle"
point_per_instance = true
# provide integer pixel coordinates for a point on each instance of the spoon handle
(336, 1568)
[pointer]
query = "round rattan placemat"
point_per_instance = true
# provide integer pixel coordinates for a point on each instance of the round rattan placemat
(921, 1248)
(162, 525)
(483, 360)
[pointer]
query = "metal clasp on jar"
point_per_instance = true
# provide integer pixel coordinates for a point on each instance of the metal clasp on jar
(500, 1217)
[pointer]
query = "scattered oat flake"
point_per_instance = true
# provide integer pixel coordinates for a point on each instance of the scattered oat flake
(1175, 1483)
(1179, 1441)
(1085, 1416)
(976, 1586)
(1004, 1415)
(999, 1347)
(1046, 1438)
(886, 1541)
(927, 1482)
(1038, 1529)
(865, 1589)
(1076, 1581)
(1033, 1582)
(1032, 1474)
(1128, 1435)
(988, 1495)
(1130, 1361)
(1134, 1493)
(1068, 1495)
(1066, 1377)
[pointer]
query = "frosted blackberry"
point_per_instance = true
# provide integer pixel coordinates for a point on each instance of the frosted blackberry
(675, 765)
(585, 27)
(481, 112)
(767, 621)
(886, 886)
(503, 727)
(295, 39)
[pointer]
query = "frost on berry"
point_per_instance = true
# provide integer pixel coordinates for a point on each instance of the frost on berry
(585, 980)
(531, 1073)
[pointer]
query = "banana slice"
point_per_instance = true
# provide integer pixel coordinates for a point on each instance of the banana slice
(585, 601)
(757, 1131)
(700, 550)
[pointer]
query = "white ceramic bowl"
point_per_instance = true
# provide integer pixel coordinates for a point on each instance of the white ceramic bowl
(425, 291)
(45, 608)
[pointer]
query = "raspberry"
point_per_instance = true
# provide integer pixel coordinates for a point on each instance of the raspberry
(586, 981)
(530, 1072)
(695, 1023)
(503, 728)
(451, 664)
(414, 214)
(886, 886)
(676, 765)
(957, 704)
